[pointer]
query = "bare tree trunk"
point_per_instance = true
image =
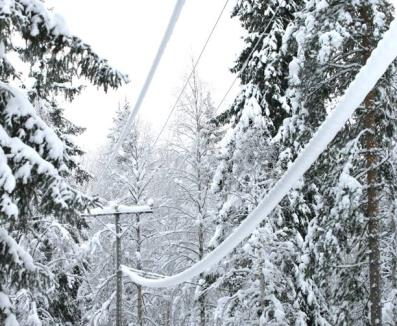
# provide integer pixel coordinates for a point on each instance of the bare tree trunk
(262, 291)
(168, 313)
(202, 295)
(394, 245)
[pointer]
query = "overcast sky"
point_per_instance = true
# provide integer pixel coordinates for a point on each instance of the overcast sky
(128, 32)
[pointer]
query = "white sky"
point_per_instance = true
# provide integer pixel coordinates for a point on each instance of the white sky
(128, 32)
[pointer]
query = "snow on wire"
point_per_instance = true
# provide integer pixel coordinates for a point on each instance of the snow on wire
(364, 82)
(127, 127)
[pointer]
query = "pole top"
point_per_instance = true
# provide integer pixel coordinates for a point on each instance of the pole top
(119, 210)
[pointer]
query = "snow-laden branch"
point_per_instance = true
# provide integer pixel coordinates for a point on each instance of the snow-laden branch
(364, 82)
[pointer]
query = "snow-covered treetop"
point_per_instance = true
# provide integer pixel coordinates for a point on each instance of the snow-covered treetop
(47, 37)
(366, 79)
(36, 155)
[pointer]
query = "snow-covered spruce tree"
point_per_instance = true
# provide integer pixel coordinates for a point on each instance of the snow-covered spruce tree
(35, 160)
(355, 178)
(128, 182)
(264, 77)
(192, 203)
(263, 282)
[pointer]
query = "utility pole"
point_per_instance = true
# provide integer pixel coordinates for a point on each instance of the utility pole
(116, 211)
(119, 276)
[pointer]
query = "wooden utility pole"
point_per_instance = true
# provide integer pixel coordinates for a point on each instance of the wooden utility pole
(139, 267)
(119, 276)
(116, 212)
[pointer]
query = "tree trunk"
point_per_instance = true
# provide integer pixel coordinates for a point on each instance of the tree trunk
(394, 253)
(372, 207)
(202, 294)
(168, 312)
(372, 211)
(140, 305)
(262, 301)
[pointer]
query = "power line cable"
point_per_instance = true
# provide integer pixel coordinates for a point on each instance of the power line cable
(166, 37)
(365, 81)
(153, 69)
(191, 73)
(198, 60)
(247, 60)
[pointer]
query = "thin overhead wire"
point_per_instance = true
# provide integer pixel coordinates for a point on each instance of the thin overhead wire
(191, 73)
(248, 59)
(380, 59)
(198, 60)
(166, 37)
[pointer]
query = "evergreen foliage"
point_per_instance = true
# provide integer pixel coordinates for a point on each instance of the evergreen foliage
(39, 159)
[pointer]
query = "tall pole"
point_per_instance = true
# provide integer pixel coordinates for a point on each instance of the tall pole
(119, 310)
(109, 211)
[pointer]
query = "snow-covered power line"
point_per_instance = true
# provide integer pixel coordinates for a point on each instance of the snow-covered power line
(364, 82)
(191, 73)
(166, 37)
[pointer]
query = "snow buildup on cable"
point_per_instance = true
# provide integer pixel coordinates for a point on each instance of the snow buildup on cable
(365, 81)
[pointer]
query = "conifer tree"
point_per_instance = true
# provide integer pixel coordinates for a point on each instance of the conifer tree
(37, 161)
(266, 281)
(333, 40)
(130, 181)
(193, 146)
